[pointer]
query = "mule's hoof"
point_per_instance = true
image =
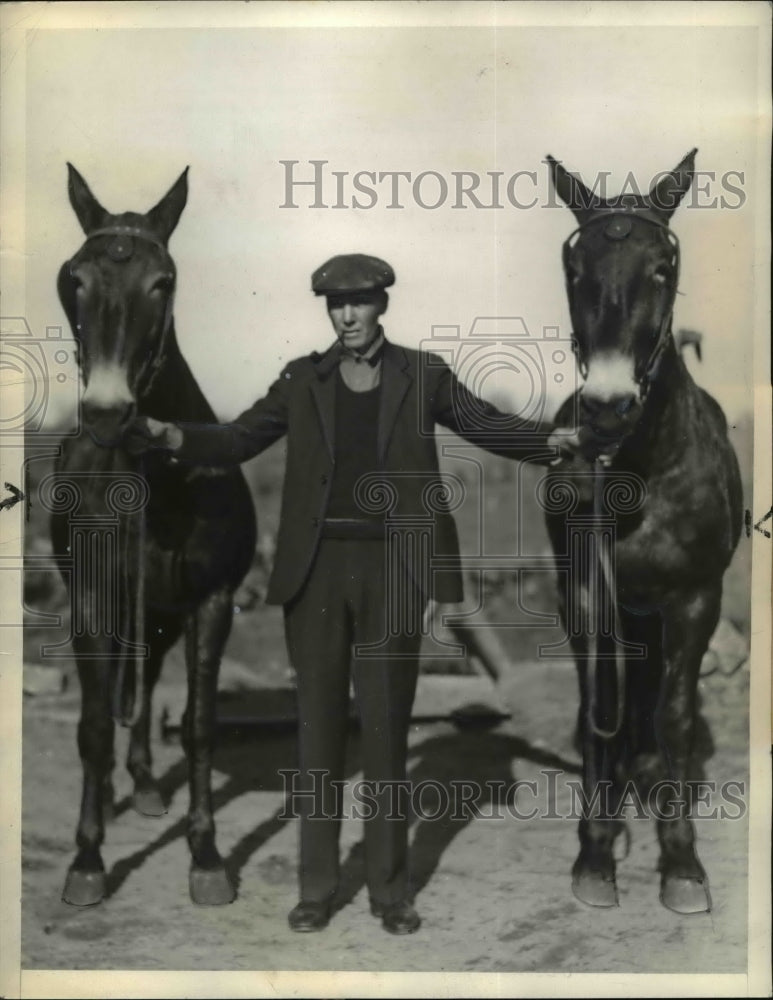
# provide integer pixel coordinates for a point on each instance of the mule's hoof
(211, 887)
(621, 845)
(84, 888)
(593, 889)
(148, 801)
(685, 895)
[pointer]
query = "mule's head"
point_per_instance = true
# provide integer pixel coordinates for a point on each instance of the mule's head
(117, 292)
(622, 270)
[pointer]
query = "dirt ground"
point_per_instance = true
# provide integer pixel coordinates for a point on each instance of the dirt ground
(494, 893)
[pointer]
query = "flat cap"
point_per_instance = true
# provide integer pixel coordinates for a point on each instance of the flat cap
(352, 272)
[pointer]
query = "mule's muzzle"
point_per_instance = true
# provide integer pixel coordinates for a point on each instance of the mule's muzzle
(106, 425)
(614, 416)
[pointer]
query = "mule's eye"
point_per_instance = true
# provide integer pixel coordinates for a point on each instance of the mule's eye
(660, 275)
(163, 284)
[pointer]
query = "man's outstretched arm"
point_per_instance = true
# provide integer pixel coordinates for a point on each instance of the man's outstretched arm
(216, 444)
(458, 408)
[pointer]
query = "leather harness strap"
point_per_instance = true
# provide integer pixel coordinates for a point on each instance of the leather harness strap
(119, 250)
(607, 578)
(135, 232)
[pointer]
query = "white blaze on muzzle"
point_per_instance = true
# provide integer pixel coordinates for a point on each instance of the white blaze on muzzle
(610, 376)
(108, 386)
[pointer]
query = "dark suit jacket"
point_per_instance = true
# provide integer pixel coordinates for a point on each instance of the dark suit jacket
(418, 391)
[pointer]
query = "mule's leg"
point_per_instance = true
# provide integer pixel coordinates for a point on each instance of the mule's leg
(206, 631)
(85, 883)
(594, 870)
(108, 791)
(645, 765)
(147, 799)
(688, 626)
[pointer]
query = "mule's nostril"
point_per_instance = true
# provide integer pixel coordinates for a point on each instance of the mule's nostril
(624, 404)
(609, 413)
(128, 414)
(590, 404)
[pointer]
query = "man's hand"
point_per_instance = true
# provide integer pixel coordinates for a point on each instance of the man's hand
(582, 442)
(146, 434)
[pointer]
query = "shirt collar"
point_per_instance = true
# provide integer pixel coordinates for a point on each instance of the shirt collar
(373, 354)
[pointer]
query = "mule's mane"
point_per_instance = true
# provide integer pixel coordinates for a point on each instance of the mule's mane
(175, 393)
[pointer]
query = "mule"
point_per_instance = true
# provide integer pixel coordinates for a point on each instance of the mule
(183, 548)
(663, 441)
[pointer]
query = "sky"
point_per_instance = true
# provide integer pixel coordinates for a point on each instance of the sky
(132, 106)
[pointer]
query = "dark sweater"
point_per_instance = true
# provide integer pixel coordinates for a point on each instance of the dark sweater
(356, 416)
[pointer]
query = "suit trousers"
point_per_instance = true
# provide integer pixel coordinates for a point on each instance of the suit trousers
(344, 604)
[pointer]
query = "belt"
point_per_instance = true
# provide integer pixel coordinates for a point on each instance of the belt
(353, 527)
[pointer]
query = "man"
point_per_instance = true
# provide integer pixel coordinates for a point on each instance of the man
(365, 406)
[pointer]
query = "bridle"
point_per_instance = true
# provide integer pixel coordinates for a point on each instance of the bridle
(618, 225)
(136, 232)
(121, 248)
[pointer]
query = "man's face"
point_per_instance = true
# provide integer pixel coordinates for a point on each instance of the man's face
(355, 317)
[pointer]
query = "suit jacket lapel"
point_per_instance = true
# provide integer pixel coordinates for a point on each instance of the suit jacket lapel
(323, 389)
(395, 382)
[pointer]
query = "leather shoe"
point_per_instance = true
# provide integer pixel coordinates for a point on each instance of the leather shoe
(307, 917)
(397, 918)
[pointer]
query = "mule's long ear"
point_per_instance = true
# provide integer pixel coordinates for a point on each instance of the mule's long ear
(571, 190)
(666, 194)
(90, 213)
(164, 216)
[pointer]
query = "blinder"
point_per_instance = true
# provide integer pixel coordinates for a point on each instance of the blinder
(618, 226)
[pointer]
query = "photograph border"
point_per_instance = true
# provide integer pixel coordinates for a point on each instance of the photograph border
(17, 21)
